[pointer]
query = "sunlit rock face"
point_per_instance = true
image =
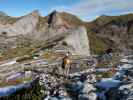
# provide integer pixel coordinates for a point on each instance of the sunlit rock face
(22, 26)
(49, 30)
(104, 32)
(78, 40)
(26, 24)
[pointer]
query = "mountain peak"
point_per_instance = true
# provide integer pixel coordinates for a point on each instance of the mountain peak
(64, 19)
(35, 13)
(2, 13)
(54, 12)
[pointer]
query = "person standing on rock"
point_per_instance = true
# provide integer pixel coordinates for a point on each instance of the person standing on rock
(66, 64)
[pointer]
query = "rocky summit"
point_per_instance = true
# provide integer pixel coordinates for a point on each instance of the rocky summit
(51, 31)
(62, 31)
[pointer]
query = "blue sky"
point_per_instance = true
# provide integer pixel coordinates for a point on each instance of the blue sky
(84, 9)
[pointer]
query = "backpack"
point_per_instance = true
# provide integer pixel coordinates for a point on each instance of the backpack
(66, 61)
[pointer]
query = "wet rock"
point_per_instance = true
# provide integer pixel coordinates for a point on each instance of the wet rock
(126, 91)
(87, 93)
(75, 87)
(90, 96)
(91, 78)
(88, 88)
(113, 94)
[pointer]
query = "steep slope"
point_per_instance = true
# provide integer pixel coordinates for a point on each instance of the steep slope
(5, 19)
(61, 31)
(61, 28)
(36, 32)
(22, 25)
(113, 31)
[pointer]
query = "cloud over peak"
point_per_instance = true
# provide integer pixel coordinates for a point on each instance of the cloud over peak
(90, 8)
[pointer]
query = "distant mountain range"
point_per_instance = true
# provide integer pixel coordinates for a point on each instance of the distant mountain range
(66, 32)
(114, 32)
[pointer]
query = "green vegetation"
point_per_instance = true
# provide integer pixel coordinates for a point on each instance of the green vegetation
(71, 19)
(24, 58)
(10, 83)
(97, 45)
(8, 20)
(51, 55)
(106, 74)
(24, 48)
(103, 35)
(15, 82)
(41, 23)
(104, 20)
(103, 64)
(16, 52)
(32, 93)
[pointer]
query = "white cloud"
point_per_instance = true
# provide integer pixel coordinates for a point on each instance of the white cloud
(95, 8)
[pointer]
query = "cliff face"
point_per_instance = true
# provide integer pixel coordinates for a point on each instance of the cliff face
(22, 26)
(79, 41)
(51, 31)
(65, 32)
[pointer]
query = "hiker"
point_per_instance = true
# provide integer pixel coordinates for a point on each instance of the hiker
(66, 64)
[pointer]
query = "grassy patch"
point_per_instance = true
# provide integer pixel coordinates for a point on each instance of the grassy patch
(51, 55)
(15, 82)
(97, 45)
(102, 64)
(71, 19)
(31, 93)
(8, 20)
(41, 23)
(9, 83)
(106, 74)
(16, 52)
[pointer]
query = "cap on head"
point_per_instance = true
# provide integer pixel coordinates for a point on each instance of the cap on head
(67, 54)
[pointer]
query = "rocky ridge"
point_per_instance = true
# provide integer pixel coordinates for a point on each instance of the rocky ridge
(112, 31)
(51, 30)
